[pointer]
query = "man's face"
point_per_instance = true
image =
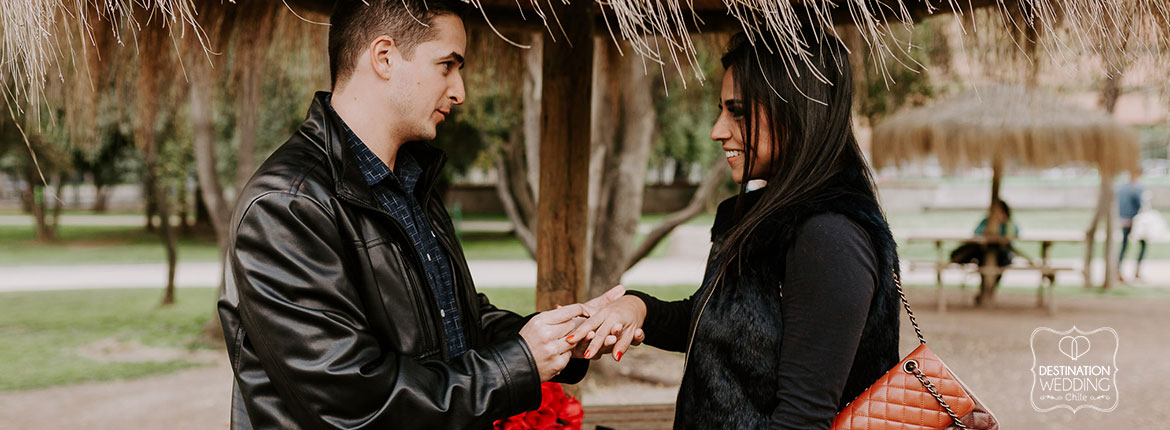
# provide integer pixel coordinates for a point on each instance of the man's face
(424, 88)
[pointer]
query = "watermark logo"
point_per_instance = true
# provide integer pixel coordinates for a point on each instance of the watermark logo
(1074, 369)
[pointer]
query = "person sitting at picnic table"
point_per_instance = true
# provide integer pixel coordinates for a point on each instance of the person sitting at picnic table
(973, 253)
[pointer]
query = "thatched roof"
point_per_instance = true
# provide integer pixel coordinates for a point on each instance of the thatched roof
(1022, 126)
(35, 31)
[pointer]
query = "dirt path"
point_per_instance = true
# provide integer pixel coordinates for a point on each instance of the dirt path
(989, 349)
(196, 399)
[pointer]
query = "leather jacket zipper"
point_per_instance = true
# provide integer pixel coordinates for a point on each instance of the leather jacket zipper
(427, 299)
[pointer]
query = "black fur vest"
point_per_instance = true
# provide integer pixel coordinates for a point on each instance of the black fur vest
(730, 380)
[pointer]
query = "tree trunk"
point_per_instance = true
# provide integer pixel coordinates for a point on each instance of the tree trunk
(1111, 258)
(1091, 232)
(148, 194)
(203, 130)
(518, 170)
(531, 94)
(34, 194)
(604, 119)
(153, 57)
(101, 201)
(248, 110)
(58, 202)
(512, 189)
(1106, 204)
(168, 235)
(1110, 91)
(161, 193)
(184, 206)
(202, 218)
(251, 47)
(619, 205)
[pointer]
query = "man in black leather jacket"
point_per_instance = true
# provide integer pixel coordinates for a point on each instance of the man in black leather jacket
(349, 303)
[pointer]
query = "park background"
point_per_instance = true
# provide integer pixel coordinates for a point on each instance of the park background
(109, 237)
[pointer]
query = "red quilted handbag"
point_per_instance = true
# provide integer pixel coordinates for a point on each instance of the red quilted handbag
(919, 393)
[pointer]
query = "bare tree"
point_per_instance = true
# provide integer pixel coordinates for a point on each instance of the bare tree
(152, 59)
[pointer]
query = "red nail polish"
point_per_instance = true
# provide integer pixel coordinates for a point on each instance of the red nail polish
(570, 338)
(619, 356)
(588, 354)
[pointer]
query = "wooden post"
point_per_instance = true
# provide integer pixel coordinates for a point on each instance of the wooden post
(1104, 202)
(990, 268)
(562, 248)
(1112, 259)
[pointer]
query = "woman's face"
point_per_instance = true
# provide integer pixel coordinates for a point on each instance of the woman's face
(727, 132)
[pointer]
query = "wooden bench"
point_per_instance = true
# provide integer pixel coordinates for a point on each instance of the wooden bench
(629, 417)
(1045, 297)
(1044, 293)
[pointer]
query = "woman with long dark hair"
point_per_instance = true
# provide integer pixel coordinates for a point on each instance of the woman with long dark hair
(798, 311)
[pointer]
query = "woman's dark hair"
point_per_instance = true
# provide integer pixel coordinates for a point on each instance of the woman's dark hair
(806, 106)
(1007, 210)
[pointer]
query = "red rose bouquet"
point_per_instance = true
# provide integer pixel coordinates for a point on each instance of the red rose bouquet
(558, 410)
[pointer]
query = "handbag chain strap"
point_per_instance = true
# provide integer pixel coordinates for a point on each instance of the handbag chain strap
(912, 366)
(910, 313)
(930, 387)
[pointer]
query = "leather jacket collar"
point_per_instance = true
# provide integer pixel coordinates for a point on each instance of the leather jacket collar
(323, 128)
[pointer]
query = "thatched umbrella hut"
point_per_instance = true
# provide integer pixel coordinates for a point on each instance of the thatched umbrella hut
(658, 29)
(1010, 124)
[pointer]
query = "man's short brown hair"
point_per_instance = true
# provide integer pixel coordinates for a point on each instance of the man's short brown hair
(355, 23)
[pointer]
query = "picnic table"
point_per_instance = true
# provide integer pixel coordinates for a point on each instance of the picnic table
(1043, 265)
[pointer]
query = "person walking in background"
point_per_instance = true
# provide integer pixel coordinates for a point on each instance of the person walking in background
(1129, 203)
(1148, 225)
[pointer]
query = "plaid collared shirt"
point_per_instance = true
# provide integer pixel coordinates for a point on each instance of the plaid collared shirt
(395, 192)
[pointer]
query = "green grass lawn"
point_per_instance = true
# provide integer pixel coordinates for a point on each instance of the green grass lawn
(80, 244)
(131, 244)
(40, 332)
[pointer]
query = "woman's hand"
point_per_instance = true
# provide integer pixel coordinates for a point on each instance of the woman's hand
(617, 325)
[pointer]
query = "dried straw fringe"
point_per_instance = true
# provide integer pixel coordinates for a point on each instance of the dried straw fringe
(1025, 127)
(35, 32)
(658, 30)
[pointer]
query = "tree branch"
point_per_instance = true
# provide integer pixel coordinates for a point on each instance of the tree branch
(706, 188)
(509, 202)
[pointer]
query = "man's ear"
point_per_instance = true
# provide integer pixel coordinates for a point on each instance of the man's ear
(383, 55)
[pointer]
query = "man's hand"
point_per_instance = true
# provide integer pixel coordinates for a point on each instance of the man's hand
(545, 335)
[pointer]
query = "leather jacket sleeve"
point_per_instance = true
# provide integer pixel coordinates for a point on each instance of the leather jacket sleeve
(307, 325)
